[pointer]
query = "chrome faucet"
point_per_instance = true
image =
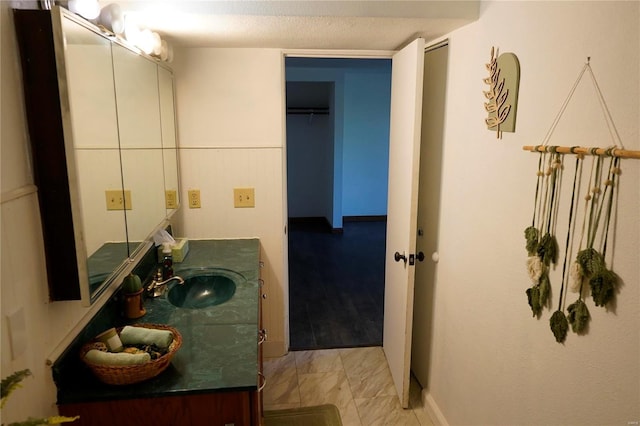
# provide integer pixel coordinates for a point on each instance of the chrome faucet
(158, 286)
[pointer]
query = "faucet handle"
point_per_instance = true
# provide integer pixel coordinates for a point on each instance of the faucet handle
(156, 279)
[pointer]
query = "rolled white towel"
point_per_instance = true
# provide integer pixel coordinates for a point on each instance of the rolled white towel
(146, 336)
(120, 358)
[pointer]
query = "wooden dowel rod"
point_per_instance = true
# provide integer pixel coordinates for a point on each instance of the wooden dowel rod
(622, 153)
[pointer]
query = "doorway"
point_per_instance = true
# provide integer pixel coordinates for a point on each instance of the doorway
(406, 111)
(337, 160)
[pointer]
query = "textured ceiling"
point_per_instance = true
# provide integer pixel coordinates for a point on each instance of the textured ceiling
(310, 24)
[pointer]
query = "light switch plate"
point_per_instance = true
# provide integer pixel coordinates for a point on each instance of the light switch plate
(116, 201)
(244, 197)
(17, 333)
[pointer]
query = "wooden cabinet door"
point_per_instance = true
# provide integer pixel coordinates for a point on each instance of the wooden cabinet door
(213, 409)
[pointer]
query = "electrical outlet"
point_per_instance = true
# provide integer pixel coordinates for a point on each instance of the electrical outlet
(118, 199)
(244, 197)
(171, 199)
(194, 198)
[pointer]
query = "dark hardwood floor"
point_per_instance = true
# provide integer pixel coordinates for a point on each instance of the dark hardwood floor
(336, 284)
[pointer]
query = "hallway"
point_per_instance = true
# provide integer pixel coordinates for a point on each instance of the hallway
(336, 284)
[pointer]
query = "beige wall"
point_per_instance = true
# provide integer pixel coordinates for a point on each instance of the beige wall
(492, 363)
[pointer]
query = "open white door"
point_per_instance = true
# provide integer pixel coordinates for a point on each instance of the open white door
(402, 210)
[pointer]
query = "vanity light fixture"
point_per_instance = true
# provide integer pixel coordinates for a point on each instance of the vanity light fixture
(112, 19)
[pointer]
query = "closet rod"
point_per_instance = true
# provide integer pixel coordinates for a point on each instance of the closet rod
(615, 152)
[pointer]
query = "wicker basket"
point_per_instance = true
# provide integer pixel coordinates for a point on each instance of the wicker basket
(129, 374)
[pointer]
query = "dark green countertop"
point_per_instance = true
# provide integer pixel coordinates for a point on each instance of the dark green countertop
(219, 344)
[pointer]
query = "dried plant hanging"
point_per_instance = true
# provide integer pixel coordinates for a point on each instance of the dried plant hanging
(591, 261)
(590, 266)
(558, 322)
(577, 313)
(537, 271)
(541, 242)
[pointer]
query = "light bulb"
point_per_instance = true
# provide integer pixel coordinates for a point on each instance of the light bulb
(164, 50)
(131, 31)
(146, 41)
(111, 17)
(89, 9)
(157, 44)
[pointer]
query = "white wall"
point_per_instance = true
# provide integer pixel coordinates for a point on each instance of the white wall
(492, 362)
(230, 107)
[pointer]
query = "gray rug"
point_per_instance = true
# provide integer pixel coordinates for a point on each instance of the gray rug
(321, 415)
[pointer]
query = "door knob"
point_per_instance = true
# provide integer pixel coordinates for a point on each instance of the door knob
(397, 256)
(413, 257)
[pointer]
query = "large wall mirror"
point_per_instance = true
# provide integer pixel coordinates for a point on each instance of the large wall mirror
(114, 122)
(138, 101)
(169, 145)
(93, 146)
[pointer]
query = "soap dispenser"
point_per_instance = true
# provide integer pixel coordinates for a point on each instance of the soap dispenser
(167, 262)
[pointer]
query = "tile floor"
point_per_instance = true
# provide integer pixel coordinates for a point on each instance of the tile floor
(356, 380)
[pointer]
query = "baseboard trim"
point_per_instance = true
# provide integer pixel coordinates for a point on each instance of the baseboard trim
(323, 221)
(432, 409)
(318, 220)
(371, 218)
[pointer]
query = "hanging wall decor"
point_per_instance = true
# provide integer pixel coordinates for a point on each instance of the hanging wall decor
(502, 96)
(589, 273)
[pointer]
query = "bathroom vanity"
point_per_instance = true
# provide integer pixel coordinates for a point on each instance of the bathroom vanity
(103, 134)
(215, 378)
